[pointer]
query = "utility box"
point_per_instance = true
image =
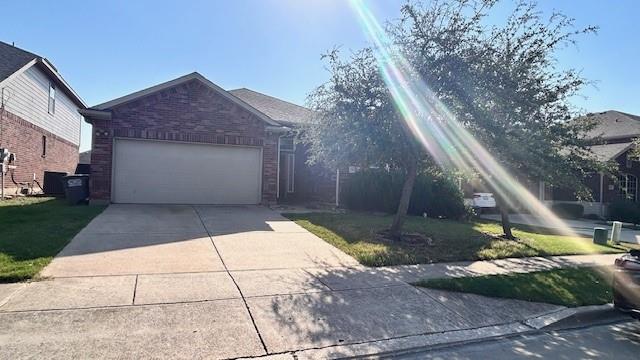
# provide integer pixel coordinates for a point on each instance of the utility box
(616, 229)
(76, 189)
(600, 236)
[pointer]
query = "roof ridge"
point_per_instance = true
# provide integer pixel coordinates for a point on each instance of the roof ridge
(193, 76)
(21, 49)
(270, 96)
(631, 116)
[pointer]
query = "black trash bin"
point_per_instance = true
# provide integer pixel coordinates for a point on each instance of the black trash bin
(76, 188)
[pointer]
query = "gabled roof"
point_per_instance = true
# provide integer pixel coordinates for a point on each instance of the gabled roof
(279, 110)
(13, 61)
(608, 152)
(183, 79)
(614, 125)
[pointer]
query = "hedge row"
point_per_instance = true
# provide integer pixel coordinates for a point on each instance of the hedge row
(625, 211)
(379, 190)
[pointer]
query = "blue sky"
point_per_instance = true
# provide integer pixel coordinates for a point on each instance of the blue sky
(106, 49)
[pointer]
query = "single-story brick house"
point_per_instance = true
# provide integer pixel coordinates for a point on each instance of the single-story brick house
(188, 141)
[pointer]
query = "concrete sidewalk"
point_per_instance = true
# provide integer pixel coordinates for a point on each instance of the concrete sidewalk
(413, 273)
(230, 282)
(312, 312)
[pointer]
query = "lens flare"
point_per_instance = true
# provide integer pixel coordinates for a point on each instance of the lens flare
(437, 129)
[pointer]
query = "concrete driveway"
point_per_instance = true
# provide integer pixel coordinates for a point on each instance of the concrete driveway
(224, 282)
(161, 239)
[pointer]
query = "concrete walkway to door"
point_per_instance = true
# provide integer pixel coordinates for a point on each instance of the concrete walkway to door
(226, 282)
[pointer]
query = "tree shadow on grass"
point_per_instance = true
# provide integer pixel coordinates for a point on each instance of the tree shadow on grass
(358, 234)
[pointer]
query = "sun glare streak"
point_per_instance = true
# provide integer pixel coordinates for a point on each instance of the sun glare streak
(437, 129)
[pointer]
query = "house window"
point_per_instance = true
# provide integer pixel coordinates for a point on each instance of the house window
(44, 146)
(628, 187)
(290, 172)
(52, 98)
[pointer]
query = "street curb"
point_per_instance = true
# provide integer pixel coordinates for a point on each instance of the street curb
(390, 348)
(413, 343)
(546, 320)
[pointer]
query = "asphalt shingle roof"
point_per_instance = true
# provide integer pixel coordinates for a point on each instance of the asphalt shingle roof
(281, 111)
(614, 125)
(608, 152)
(12, 59)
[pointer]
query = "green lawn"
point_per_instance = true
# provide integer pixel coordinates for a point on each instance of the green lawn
(356, 234)
(33, 230)
(567, 287)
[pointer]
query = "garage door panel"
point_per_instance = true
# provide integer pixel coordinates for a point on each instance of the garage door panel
(162, 172)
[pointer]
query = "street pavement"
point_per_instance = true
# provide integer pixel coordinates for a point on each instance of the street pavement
(581, 227)
(618, 341)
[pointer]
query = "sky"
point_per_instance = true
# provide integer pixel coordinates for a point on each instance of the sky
(106, 49)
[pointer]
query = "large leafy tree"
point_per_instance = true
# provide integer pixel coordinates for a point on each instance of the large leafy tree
(358, 124)
(499, 80)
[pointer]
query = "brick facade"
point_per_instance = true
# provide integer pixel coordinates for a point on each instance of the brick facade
(190, 112)
(25, 140)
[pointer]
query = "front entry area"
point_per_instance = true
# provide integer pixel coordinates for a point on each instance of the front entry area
(167, 172)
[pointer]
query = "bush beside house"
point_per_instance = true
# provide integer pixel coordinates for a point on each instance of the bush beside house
(625, 211)
(379, 190)
(568, 210)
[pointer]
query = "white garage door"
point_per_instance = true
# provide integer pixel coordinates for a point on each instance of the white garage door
(163, 172)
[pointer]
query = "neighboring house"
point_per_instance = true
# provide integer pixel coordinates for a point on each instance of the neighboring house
(188, 141)
(618, 130)
(39, 118)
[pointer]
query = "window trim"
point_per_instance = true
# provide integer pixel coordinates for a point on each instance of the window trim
(623, 186)
(51, 105)
(291, 172)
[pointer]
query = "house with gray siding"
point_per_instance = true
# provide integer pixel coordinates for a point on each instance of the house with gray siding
(39, 119)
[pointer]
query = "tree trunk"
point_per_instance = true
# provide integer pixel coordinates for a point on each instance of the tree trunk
(396, 228)
(504, 217)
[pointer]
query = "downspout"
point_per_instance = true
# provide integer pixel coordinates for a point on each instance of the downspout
(278, 169)
(601, 195)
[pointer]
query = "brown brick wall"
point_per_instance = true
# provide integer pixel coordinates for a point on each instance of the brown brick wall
(190, 112)
(25, 140)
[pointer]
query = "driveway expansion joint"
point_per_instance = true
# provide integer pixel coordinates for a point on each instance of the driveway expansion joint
(244, 300)
(135, 289)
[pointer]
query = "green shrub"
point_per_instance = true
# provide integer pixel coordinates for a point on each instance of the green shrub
(379, 190)
(568, 210)
(592, 217)
(625, 211)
